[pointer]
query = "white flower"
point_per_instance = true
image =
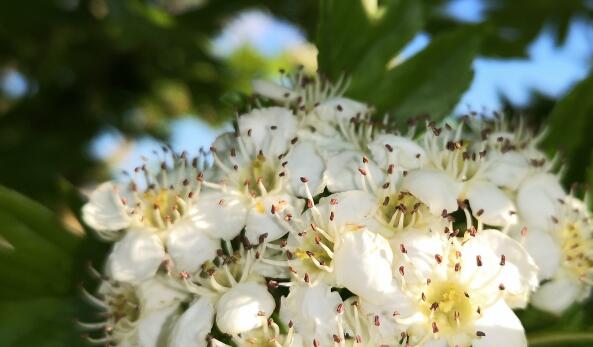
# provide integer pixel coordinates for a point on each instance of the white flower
(149, 211)
(314, 311)
(135, 316)
(564, 256)
(454, 171)
(152, 199)
(260, 171)
(512, 153)
(244, 307)
(317, 226)
(462, 288)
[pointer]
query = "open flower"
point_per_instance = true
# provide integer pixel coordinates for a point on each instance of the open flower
(564, 256)
(135, 316)
(261, 169)
(456, 172)
(460, 291)
(149, 212)
(512, 151)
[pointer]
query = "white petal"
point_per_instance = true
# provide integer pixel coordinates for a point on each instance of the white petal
(508, 169)
(545, 251)
(351, 207)
(190, 248)
(260, 219)
(159, 292)
(362, 263)
(153, 326)
(194, 325)
(386, 306)
(501, 326)
(238, 310)
(518, 274)
(330, 112)
(436, 189)
(271, 270)
(421, 247)
(403, 152)
(496, 207)
(223, 145)
(342, 172)
(219, 215)
(537, 200)
(556, 296)
(435, 343)
(304, 161)
(136, 257)
(104, 211)
(268, 129)
(313, 312)
(273, 91)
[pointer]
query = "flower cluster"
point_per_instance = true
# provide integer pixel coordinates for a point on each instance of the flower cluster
(313, 224)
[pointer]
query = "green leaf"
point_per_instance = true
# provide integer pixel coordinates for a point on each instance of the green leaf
(361, 44)
(41, 266)
(46, 322)
(432, 81)
(561, 339)
(569, 130)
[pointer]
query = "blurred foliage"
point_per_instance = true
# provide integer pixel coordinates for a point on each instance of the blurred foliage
(106, 63)
(91, 65)
(42, 265)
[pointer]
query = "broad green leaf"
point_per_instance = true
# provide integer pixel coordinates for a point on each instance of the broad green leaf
(43, 322)
(432, 81)
(342, 35)
(353, 41)
(42, 264)
(569, 130)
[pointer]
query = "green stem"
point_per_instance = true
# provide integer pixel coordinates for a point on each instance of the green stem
(556, 338)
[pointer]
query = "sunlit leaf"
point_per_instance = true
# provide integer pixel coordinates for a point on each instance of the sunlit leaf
(432, 81)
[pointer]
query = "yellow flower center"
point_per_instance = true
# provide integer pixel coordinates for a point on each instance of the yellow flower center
(577, 251)
(260, 170)
(449, 306)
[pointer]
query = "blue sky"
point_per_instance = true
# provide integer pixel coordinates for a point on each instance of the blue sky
(551, 70)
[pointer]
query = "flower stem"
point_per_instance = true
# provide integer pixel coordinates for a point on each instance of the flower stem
(563, 338)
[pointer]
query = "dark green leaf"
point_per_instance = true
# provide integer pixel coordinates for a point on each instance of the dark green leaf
(41, 266)
(353, 42)
(569, 130)
(430, 82)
